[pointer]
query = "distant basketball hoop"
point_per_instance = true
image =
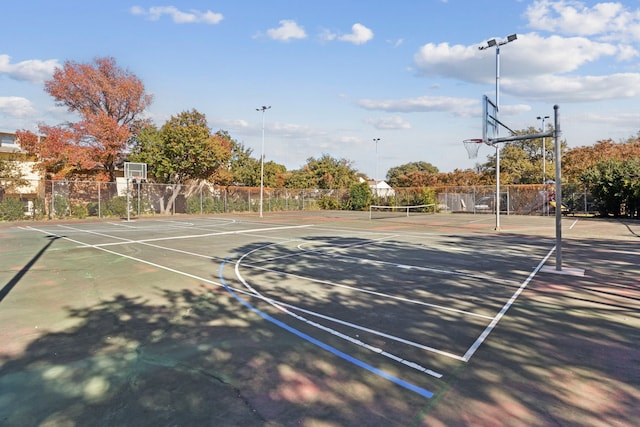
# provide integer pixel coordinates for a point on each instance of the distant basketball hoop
(472, 146)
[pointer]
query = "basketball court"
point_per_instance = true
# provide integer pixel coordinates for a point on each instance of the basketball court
(319, 318)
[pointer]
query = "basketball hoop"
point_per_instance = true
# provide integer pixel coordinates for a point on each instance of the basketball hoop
(472, 146)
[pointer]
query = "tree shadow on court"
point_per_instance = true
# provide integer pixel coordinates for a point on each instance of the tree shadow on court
(566, 353)
(190, 357)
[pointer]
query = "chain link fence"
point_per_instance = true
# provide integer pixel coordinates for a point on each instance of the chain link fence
(80, 199)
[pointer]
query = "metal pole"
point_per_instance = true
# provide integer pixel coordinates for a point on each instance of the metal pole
(263, 109)
(544, 151)
(376, 140)
(497, 134)
(556, 125)
(497, 44)
(128, 202)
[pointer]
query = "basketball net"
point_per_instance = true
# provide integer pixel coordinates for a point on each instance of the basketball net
(472, 146)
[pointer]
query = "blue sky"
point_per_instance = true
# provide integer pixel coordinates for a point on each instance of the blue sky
(339, 73)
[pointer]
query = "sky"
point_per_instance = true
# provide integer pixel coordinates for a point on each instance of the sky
(341, 74)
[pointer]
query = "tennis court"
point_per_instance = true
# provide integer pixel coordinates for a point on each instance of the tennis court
(319, 319)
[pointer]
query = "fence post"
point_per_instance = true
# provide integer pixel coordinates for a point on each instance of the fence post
(53, 208)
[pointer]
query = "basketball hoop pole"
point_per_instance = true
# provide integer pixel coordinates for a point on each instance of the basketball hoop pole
(495, 43)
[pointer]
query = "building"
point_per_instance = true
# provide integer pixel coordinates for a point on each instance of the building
(27, 190)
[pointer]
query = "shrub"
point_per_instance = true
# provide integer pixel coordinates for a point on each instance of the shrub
(60, 206)
(360, 196)
(92, 208)
(328, 202)
(79, 211)
(39, 209)
(117, 207)
(11, 209)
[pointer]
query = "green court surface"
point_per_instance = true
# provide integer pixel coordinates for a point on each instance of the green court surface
(320, 319)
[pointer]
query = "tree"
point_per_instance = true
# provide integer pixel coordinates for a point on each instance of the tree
(459, 177)
(578, 160)
(273, 174)
(184, 150)
(327, 172)
(614, 184)
(246, 169)
(109, 101)
(298, 179)
(413, 174)
(360, 196)
(521, 161)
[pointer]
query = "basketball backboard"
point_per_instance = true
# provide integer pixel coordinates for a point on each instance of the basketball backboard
(490, 121)
(135, 171)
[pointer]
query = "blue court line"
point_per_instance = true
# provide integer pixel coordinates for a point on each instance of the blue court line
(402, 383)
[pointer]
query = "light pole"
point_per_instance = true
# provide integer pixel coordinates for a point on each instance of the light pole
(497, 43)
(544, 151)
(263, 109)
(376, 140)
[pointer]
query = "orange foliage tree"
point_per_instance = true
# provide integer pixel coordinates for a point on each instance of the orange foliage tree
(577, 161)
(109, 102)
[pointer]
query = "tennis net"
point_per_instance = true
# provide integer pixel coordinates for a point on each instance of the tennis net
(381, 212)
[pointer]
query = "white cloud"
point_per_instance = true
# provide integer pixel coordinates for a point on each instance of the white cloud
(580, 88)
(386, 123)
(534, 67)
(288, 30)
(179, 17)
(359, 35)
(574, 17)
(233, 124)
(16, 107)
(529, 55)
(33, 70)
(457, 106)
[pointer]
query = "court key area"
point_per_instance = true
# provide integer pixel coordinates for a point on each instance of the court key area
(326, 319)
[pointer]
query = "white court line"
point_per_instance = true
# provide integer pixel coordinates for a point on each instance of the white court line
(342, 248)
(325, 328)
(474, 347)
(465, 358)
(365, 291)
(303, 251)
(372, 331)
(153, 264)
(251, 294)
(193, 236)
(122, 224)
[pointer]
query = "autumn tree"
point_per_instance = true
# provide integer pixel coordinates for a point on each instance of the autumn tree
(109, 102)
(460, 177)
(578, 160)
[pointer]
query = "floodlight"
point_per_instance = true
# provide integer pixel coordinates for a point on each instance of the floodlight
(511, 38)
(492, 43)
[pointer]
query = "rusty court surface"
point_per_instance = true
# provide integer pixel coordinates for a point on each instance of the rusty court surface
(319, 319)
